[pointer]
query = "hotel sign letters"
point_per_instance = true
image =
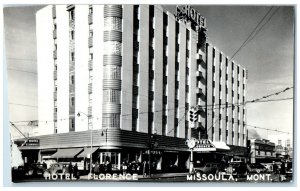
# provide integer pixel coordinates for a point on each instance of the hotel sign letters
(187, 13)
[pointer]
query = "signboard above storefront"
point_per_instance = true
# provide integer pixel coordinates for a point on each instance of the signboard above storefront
(204, 145)
(32, 142)
(188, 14)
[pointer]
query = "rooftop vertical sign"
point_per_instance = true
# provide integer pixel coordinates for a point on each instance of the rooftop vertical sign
(187, 13)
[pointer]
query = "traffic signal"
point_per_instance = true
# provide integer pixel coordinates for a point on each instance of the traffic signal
(193, 114)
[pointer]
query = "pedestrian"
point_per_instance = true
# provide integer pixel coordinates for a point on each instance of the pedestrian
(96, 169)
(75, 170)
(282, 169)
(275, 167)
(101, 169)
(70, 168)
(108, 167)
(124, 168)
(144, 168)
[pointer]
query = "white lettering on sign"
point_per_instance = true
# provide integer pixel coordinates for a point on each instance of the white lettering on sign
(188, 13)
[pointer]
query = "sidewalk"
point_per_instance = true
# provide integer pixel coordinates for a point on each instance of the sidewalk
(164, 175)
(153, 176)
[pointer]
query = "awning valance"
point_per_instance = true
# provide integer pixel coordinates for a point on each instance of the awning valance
(86, 151)
(66, 153)
(220, 145)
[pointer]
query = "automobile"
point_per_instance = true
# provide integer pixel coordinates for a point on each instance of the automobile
(256, 168)
(134, 168)
(36, 169)
(18, 173)
(268, 167)
(208, 168)
(238, 169)
(56, 168)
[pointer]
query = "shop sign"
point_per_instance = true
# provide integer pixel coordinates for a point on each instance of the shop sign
(186, 13)
(204, 145)
(32, 142)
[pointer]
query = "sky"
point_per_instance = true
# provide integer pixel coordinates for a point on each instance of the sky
(268, 57)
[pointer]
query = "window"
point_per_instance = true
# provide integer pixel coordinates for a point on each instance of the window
(187, 35)
(151, 87)
(72, 14)
(135, 79)
(72, 79)
(112, 47)
(112, 72)
(72, 56)
(91, 10)
(72, 101)
(151, 11)
(90, 102)
(111, 120)
(111, 96)
(113, 23)
(72, 121)
(135, 101)
(134, 123)
(72, 35)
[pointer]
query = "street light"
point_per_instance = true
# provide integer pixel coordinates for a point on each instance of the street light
(102, 134)
(152, 144)
(91, 152)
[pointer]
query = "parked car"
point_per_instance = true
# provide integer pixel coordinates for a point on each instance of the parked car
(237, 169)
(268, 167)
(18, 173)
(36, 169)
(56, 168)
(256, 168)
(208, 168)
(135, 168)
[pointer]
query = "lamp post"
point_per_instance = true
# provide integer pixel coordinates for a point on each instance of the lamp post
(91, 152)
(152, 144)
(102, 134)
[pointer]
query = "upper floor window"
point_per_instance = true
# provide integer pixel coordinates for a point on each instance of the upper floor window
(72, 14)
(72, 56)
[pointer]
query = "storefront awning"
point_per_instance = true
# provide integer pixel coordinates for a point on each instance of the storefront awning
(86, 151)
(220, 145)
(66, 153)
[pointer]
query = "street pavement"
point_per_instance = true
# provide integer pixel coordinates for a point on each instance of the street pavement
(175, 177)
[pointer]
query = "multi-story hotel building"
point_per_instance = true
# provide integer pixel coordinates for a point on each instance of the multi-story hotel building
(131, 71)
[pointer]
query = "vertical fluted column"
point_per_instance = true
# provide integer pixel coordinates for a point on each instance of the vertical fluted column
(112, 60)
